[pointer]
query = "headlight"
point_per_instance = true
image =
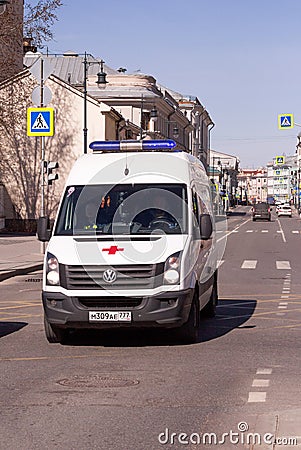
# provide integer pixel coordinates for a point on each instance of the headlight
(172, 269)
(52, 270)
(171, 276)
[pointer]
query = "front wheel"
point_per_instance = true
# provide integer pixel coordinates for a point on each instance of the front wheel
(210, 308)
(189, 331)
(54, 335)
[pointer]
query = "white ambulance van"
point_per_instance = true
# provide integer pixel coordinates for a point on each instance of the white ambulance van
(132, 244)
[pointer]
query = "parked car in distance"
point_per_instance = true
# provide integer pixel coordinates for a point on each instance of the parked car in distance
(284, 210)
(261, 211)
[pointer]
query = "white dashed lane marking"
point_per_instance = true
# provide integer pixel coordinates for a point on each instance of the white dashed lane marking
(262, 231)
(255, 397)
(260, 383)
(283, 265)
(264, 371)
(259, 396)
(249, 264)
(252, 264)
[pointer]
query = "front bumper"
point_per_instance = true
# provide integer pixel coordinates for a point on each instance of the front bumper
(169, 309)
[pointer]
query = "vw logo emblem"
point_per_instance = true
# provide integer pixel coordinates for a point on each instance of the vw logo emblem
(109, 276)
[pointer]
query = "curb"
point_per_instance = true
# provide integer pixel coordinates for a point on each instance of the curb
(23, 271)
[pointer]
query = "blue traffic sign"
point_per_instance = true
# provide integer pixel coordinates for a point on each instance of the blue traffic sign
(285, 121)
(40, 122)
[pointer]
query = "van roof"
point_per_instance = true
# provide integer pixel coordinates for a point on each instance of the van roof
(142, 167)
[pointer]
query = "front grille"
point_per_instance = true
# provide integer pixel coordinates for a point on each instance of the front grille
(110, 302)
(144, 276)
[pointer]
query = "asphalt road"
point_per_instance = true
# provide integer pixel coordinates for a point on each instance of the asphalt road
(138, 390)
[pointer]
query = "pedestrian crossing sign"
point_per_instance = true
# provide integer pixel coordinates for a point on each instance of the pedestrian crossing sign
(279, 160)
(285, 121)
(40, 122)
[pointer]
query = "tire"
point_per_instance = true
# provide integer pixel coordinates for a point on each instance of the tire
(188, 333)
(53, 334)
(210, 308)
(254, 220)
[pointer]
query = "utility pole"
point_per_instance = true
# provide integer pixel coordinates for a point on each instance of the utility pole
(101, 82)
(85, 130)
(141, 117)
(42, 144)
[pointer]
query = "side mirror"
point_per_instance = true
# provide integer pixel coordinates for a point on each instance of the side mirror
(43, 229)
(206, 227)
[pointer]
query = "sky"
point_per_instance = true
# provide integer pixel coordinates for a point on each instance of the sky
(241, 58)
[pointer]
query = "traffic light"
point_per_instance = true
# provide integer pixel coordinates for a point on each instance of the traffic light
(52, 176)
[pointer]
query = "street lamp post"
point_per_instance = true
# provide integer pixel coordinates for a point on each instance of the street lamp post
(154, 117)
(101, 80)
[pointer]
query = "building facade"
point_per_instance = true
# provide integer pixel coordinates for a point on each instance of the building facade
(252, 185)
(284, 179)
(223, 172)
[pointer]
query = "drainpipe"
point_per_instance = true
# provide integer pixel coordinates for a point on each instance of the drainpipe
(209, 143)
(191, 150)
(168, 123)
(199, 124)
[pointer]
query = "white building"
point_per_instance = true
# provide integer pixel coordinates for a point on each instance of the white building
(223, 171)
(282, 178)
(252, 185)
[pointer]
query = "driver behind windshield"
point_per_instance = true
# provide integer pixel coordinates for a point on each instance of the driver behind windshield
(159, 212)
(155, 216)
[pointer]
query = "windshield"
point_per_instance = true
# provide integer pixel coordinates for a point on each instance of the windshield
(123, 209)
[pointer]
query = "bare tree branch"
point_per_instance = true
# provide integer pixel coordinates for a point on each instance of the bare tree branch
(39, 18)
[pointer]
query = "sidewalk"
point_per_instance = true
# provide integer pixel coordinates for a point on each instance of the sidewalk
(19, 254)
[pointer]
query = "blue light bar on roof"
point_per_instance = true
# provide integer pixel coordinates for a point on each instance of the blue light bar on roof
(147, 145)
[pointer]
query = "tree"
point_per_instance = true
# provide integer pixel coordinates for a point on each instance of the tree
(19, 164)
(39, 18)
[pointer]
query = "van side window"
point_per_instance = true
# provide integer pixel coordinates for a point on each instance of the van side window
(195, 206)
